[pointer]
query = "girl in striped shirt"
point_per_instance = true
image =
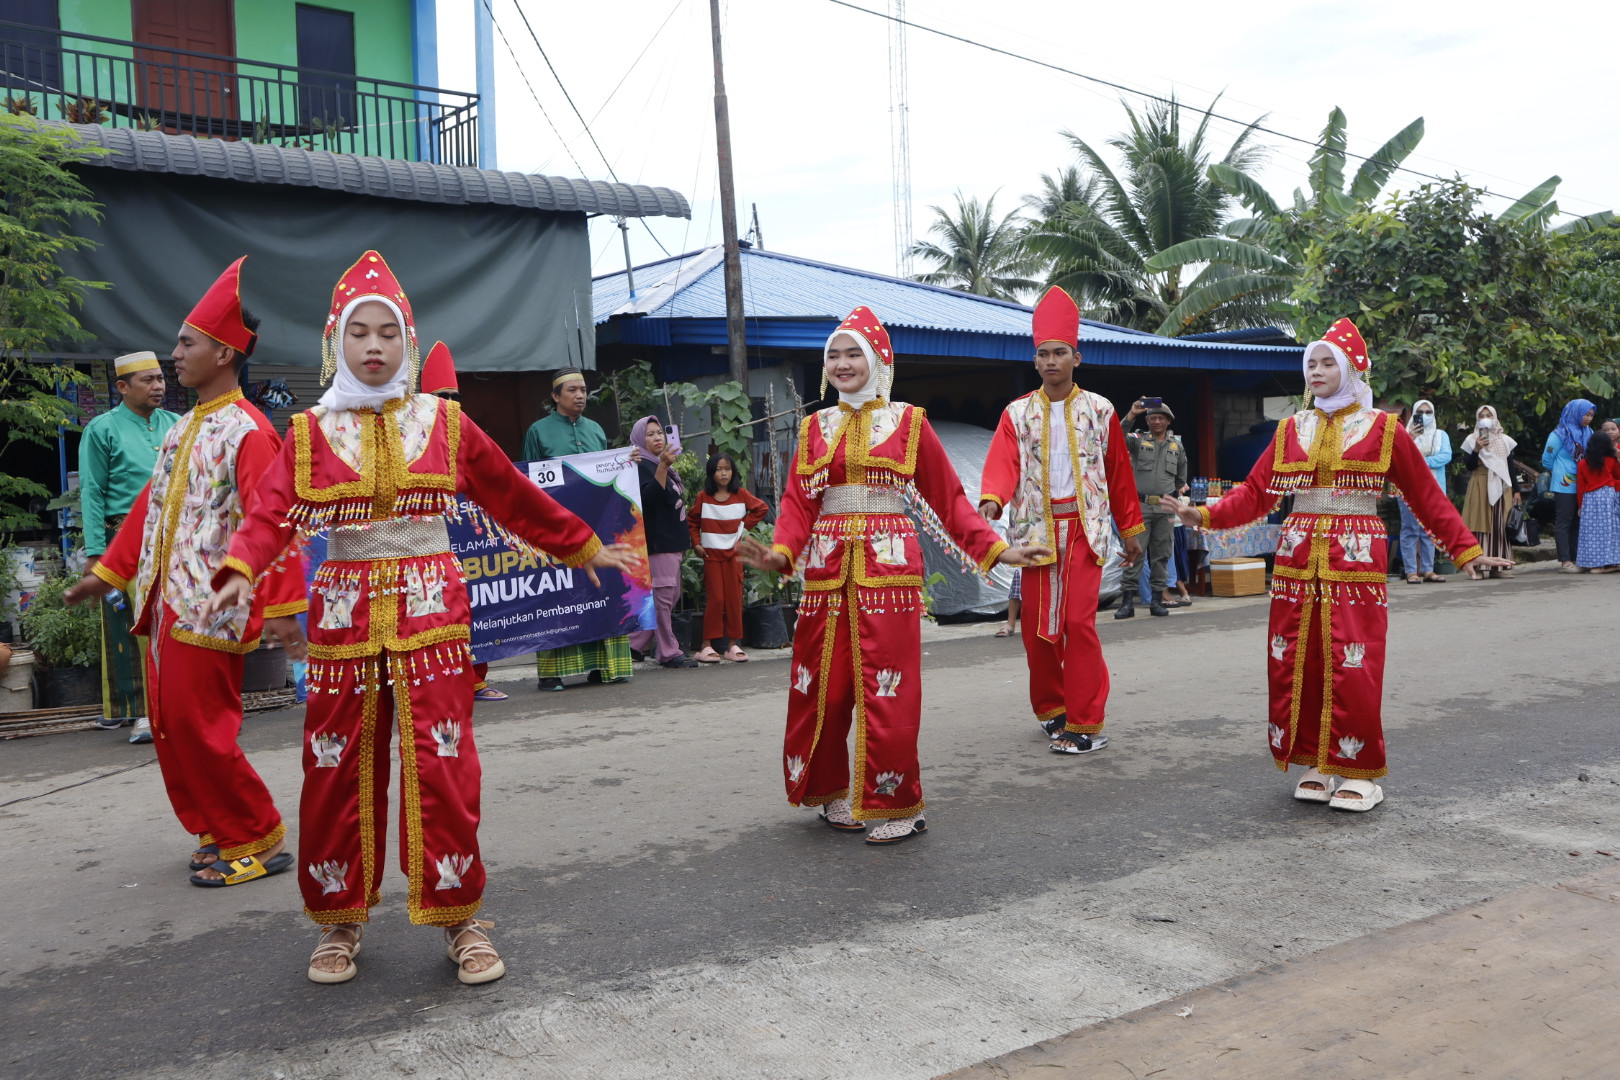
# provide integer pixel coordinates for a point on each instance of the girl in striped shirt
(718, 520)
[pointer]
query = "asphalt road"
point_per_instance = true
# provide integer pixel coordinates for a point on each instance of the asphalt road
(663, 912)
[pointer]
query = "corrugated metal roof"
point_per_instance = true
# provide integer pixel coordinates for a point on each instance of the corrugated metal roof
(387, 178)
(692, 286)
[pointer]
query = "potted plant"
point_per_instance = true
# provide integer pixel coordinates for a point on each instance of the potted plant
(67, 643)
(764, 625)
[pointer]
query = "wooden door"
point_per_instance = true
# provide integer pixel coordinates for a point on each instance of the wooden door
(187, 93)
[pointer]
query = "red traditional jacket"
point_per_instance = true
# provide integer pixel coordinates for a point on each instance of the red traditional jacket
(352, 470)
(174, 540)
(1352, 452)
(881, 445)
(1587, 480)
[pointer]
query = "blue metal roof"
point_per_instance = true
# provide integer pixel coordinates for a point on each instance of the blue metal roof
(795, 303)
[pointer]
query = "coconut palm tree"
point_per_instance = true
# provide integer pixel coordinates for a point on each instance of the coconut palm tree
(1058, 191)
(1162, 197)
(978, 253)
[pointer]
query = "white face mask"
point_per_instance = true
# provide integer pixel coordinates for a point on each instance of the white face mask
(1425, 419)
(1486, 424)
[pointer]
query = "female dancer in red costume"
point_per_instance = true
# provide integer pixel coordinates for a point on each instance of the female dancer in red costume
(857, 648)
(380, 467)
(1329, 611)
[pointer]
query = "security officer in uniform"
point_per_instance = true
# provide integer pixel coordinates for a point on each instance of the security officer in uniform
(1161, 469)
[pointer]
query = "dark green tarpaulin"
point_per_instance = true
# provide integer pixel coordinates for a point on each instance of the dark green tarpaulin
(507, 289)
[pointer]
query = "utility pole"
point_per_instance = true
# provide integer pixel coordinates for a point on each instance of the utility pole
(629, 271)
(735, 330)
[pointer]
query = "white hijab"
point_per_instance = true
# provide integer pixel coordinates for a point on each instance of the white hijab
(1494, 456)
(1426, 436)
(1352, 391)
(873, 388)
(347, 391)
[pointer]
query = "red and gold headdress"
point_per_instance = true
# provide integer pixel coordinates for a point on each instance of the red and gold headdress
(1344, 336)
(439, 371)
(219, 313)
(873, 337)
(1057, 318)
(368, 279)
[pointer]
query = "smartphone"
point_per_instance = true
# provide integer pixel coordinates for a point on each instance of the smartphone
(1152, 402)
(672, 435)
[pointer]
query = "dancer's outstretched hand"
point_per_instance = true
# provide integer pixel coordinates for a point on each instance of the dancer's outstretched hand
(611, 557)
(1186, 511)
(1026, 555)
(989, 509)
(285, 629)
(235, 593)
(88, 587)
(760, 557)
(1133, 551)
(1490, 562)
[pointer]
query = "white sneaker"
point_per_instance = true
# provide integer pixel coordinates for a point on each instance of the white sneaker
(142, 732)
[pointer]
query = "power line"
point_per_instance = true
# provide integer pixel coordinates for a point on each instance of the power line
(1313, 143)
(581, 116)
(519, 64)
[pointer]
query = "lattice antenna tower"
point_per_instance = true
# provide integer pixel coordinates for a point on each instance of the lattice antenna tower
(900, 138)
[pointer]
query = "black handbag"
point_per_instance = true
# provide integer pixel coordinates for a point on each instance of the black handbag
(1515, 526)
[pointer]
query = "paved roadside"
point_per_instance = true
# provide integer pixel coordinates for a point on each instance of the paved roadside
(1523, 986)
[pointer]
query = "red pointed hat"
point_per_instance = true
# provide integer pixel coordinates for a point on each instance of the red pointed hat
(439, 371)
(1345, 335)
(219, 313)
(1057, 318)
(866, 324)
(368, 279)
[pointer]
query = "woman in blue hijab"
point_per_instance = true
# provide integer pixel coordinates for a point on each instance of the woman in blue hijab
(1565, 447)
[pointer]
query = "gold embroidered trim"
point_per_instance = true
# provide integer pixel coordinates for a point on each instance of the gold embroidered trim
(121, 584)
(807, 465)
(1469, 554)
(391, 642)
(233, 563)
(1302, 635)
(447, 916)
(341, 915)
(829, 639)
(788, 555)
(857, 781)
(410, 788)
(1134, 530)
(584, 554)
(201, 641)
(1203, 517)
(281, 611)
(994, 556)
(253, 847)
(985, 496)
(822, 800)
(366, 767)
(1043, 717)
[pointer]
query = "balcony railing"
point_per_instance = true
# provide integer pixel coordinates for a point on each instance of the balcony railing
(93, 80)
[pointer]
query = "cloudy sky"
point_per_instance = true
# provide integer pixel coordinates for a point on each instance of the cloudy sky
(1510, 94)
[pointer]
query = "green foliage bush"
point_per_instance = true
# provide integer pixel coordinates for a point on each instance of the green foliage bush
(62, 636)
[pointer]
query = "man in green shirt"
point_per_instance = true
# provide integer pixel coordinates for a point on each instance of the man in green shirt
(563, 431)
(117, 453)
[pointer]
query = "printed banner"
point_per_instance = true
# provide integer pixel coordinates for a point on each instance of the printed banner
(521, 603)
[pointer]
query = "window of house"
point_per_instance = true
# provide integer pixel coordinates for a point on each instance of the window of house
(326, 43)
(30, 60)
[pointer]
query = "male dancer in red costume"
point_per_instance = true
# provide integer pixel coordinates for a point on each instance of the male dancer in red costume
(857, 648)
(1059, 465)
(164, 557)
(380, 466)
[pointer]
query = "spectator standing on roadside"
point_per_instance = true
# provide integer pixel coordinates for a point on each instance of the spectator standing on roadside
(1564, 449)
(1488, 455)
(1597, 478)
(116, 457)
(563, 431)
(1417, 550)
(720, 516)
(1160, 463)
(663, 515)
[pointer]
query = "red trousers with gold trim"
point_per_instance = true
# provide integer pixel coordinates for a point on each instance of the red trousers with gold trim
(856, 660)
(343, 836)
(1325, 666)
(195, 697)
(1067, 674)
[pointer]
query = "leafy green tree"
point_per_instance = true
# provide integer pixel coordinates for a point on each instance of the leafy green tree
(1253, 263)
(40, 199)
(1058, 191)
(1461, 306)
(978, 252)
(1162, 197)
